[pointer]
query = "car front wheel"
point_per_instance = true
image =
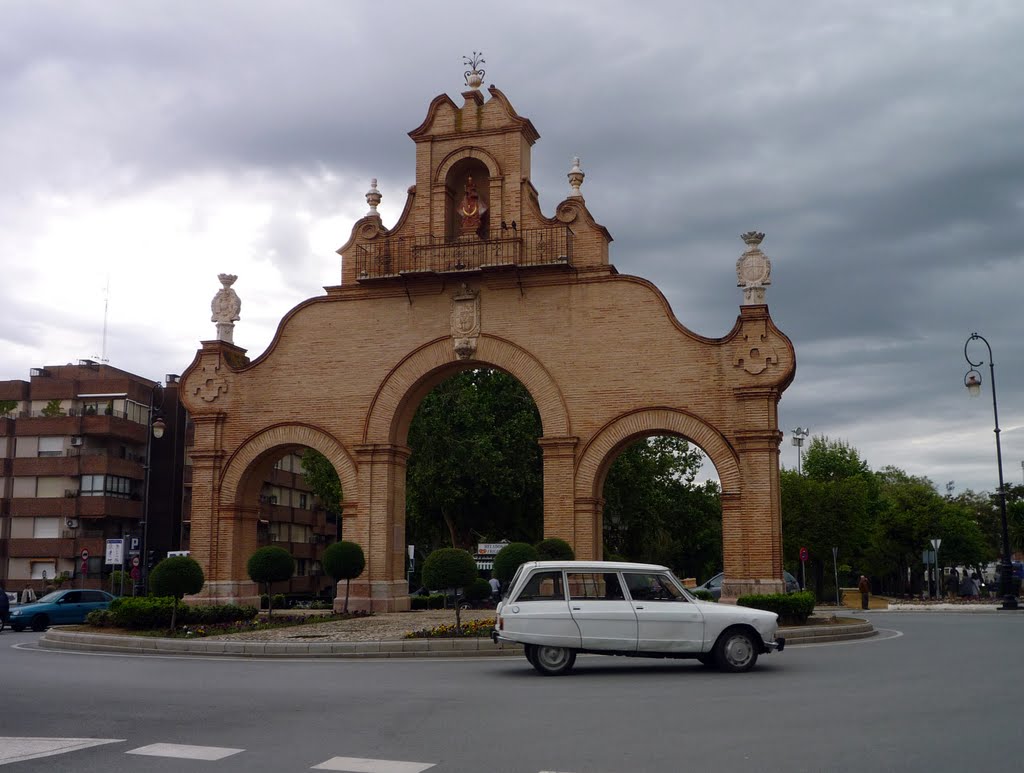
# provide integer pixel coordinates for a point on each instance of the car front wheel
(735, 651)
(40, 623)
(553, 661)
(17, 627)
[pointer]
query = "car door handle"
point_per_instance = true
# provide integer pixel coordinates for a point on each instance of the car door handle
(639, 606)
(575, 609)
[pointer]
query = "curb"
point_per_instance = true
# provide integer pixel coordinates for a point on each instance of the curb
(75, 641)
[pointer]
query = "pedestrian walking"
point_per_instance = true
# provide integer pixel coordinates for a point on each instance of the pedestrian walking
(864, 586)
(969, 587)
(495, 588)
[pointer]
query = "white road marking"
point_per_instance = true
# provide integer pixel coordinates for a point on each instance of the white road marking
(185, 752)
(360, 765)
(21, 749)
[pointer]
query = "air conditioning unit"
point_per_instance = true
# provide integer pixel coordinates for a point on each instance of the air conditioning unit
(76, 440)
(72, 523)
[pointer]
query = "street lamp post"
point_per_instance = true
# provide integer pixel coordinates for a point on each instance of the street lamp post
(798, 440)
(972, 380)
(156, 428)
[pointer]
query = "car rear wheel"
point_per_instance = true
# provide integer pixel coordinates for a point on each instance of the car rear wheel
(735, 651)
(553, 661)
(40, 623)
(530, 650)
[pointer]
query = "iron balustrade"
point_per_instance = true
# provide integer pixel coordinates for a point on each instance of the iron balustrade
(399, 256)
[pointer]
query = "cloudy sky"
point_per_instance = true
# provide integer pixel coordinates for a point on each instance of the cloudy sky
(879, 145)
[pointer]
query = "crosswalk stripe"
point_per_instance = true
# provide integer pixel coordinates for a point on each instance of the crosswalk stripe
(361, 765)
(185, 752)
(21, 749)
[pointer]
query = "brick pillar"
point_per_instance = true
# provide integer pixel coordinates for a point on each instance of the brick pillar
(752, 522)
(380, 526)
(590, 521)
(559, 484)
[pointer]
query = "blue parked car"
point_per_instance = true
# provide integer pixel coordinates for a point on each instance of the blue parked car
(62, 607)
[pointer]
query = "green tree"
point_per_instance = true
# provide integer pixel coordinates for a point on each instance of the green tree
(475, 467)
(654, 511)
(510, 558)
(322, 478)
(344, 561)
(53, 409)
(6, 406)
(268, 565)
(554, 549)
(450, 568)
(177, 577)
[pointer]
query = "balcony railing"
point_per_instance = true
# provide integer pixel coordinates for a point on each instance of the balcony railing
(400, 256)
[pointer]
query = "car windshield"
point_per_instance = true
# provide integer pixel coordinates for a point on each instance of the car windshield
(49, 598)
(653, 586)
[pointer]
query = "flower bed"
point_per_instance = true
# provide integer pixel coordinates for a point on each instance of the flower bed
(471, 628)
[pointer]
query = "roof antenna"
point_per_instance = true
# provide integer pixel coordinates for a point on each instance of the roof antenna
(106, 306)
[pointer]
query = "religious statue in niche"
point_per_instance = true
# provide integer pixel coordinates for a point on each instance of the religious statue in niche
(472, 211)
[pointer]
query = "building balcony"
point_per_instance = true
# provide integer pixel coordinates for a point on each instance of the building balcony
(64, 507)
(23, 547)
(6, 426)
(406, 257)
(109, 507)
(59, 466)
(98, 464)
(115, 426)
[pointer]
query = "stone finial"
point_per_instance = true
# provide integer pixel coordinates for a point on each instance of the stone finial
(226, 306)
(575, 176)
(753, 270)
(475, 75)
(373, 199)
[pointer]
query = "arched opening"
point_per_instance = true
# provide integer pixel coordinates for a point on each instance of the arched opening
(467, 199)
(475, 472)
(662, 505)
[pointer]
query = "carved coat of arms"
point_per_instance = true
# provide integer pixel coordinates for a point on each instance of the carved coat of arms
(465, 321)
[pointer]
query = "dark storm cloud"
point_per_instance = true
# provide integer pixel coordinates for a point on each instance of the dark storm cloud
(878, 146)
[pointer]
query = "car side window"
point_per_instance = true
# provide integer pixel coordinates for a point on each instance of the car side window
(594, 585)
(74, 597)
(543, 586)
(93, 595)
(651, 586)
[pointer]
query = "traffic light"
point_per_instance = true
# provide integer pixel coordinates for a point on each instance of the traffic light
(150, 558)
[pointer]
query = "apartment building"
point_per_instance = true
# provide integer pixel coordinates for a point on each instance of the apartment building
(74, 445)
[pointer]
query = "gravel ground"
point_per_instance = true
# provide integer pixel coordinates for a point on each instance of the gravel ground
(386, 626)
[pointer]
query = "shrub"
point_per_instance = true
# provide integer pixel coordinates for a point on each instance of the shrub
(510, 558)
(100, 618)
(792, 608)
(478, 590)
(703, 594)
(554, 549)
(175, 577)
(142, 612)
(344, 561)
(450, 568)
(268, 565)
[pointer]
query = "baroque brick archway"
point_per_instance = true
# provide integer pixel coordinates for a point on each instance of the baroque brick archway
(601, 353)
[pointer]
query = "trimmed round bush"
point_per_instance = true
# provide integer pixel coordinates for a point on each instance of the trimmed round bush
(268, 565)
(478, 590)
(449, 568)
(177, 576)
(555, 549)
(343, 561)
(510, 558)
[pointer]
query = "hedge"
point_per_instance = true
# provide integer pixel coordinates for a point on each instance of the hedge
(433, 601)
(792, 608)
(152, 613)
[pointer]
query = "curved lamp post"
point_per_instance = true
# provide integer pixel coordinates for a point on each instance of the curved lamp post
(972, 380)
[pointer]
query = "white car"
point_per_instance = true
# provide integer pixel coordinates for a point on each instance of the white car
(557, 609)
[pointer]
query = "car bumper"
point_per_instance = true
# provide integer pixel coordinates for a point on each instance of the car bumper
(778, 645)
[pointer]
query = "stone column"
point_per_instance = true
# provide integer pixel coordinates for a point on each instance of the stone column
(380, 524)
(559, 507)
(589, 528)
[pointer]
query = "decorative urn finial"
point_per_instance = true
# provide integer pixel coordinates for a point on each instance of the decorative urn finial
(373, 199)
(226, 306)
(475, 75)
(753, 269)
(575, 176)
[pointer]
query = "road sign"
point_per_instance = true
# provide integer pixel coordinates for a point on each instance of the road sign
(936, 544)
(115, 552)
(85, 555)
(490, 548)
(135, 561)
(135, 573)
(803, 554)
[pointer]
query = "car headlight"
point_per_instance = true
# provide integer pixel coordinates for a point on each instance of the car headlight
(16, 613)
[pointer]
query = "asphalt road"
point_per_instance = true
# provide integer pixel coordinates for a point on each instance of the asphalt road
(936, 692)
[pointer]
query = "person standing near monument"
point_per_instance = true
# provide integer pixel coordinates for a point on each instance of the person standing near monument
(864, 586)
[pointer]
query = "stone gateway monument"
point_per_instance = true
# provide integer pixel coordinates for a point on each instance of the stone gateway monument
(472, 275)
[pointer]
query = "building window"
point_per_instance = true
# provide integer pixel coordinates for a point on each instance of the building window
(105, 486)
(45, 528)
(303, 501)
(301, 567)
(51, 446)
(44, 569)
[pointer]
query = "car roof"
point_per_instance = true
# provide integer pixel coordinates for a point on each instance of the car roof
(604, 566)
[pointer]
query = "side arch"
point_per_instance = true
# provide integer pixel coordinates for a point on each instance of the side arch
(493, 167)
(284, 435)
(419, 372)
(594, 459)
